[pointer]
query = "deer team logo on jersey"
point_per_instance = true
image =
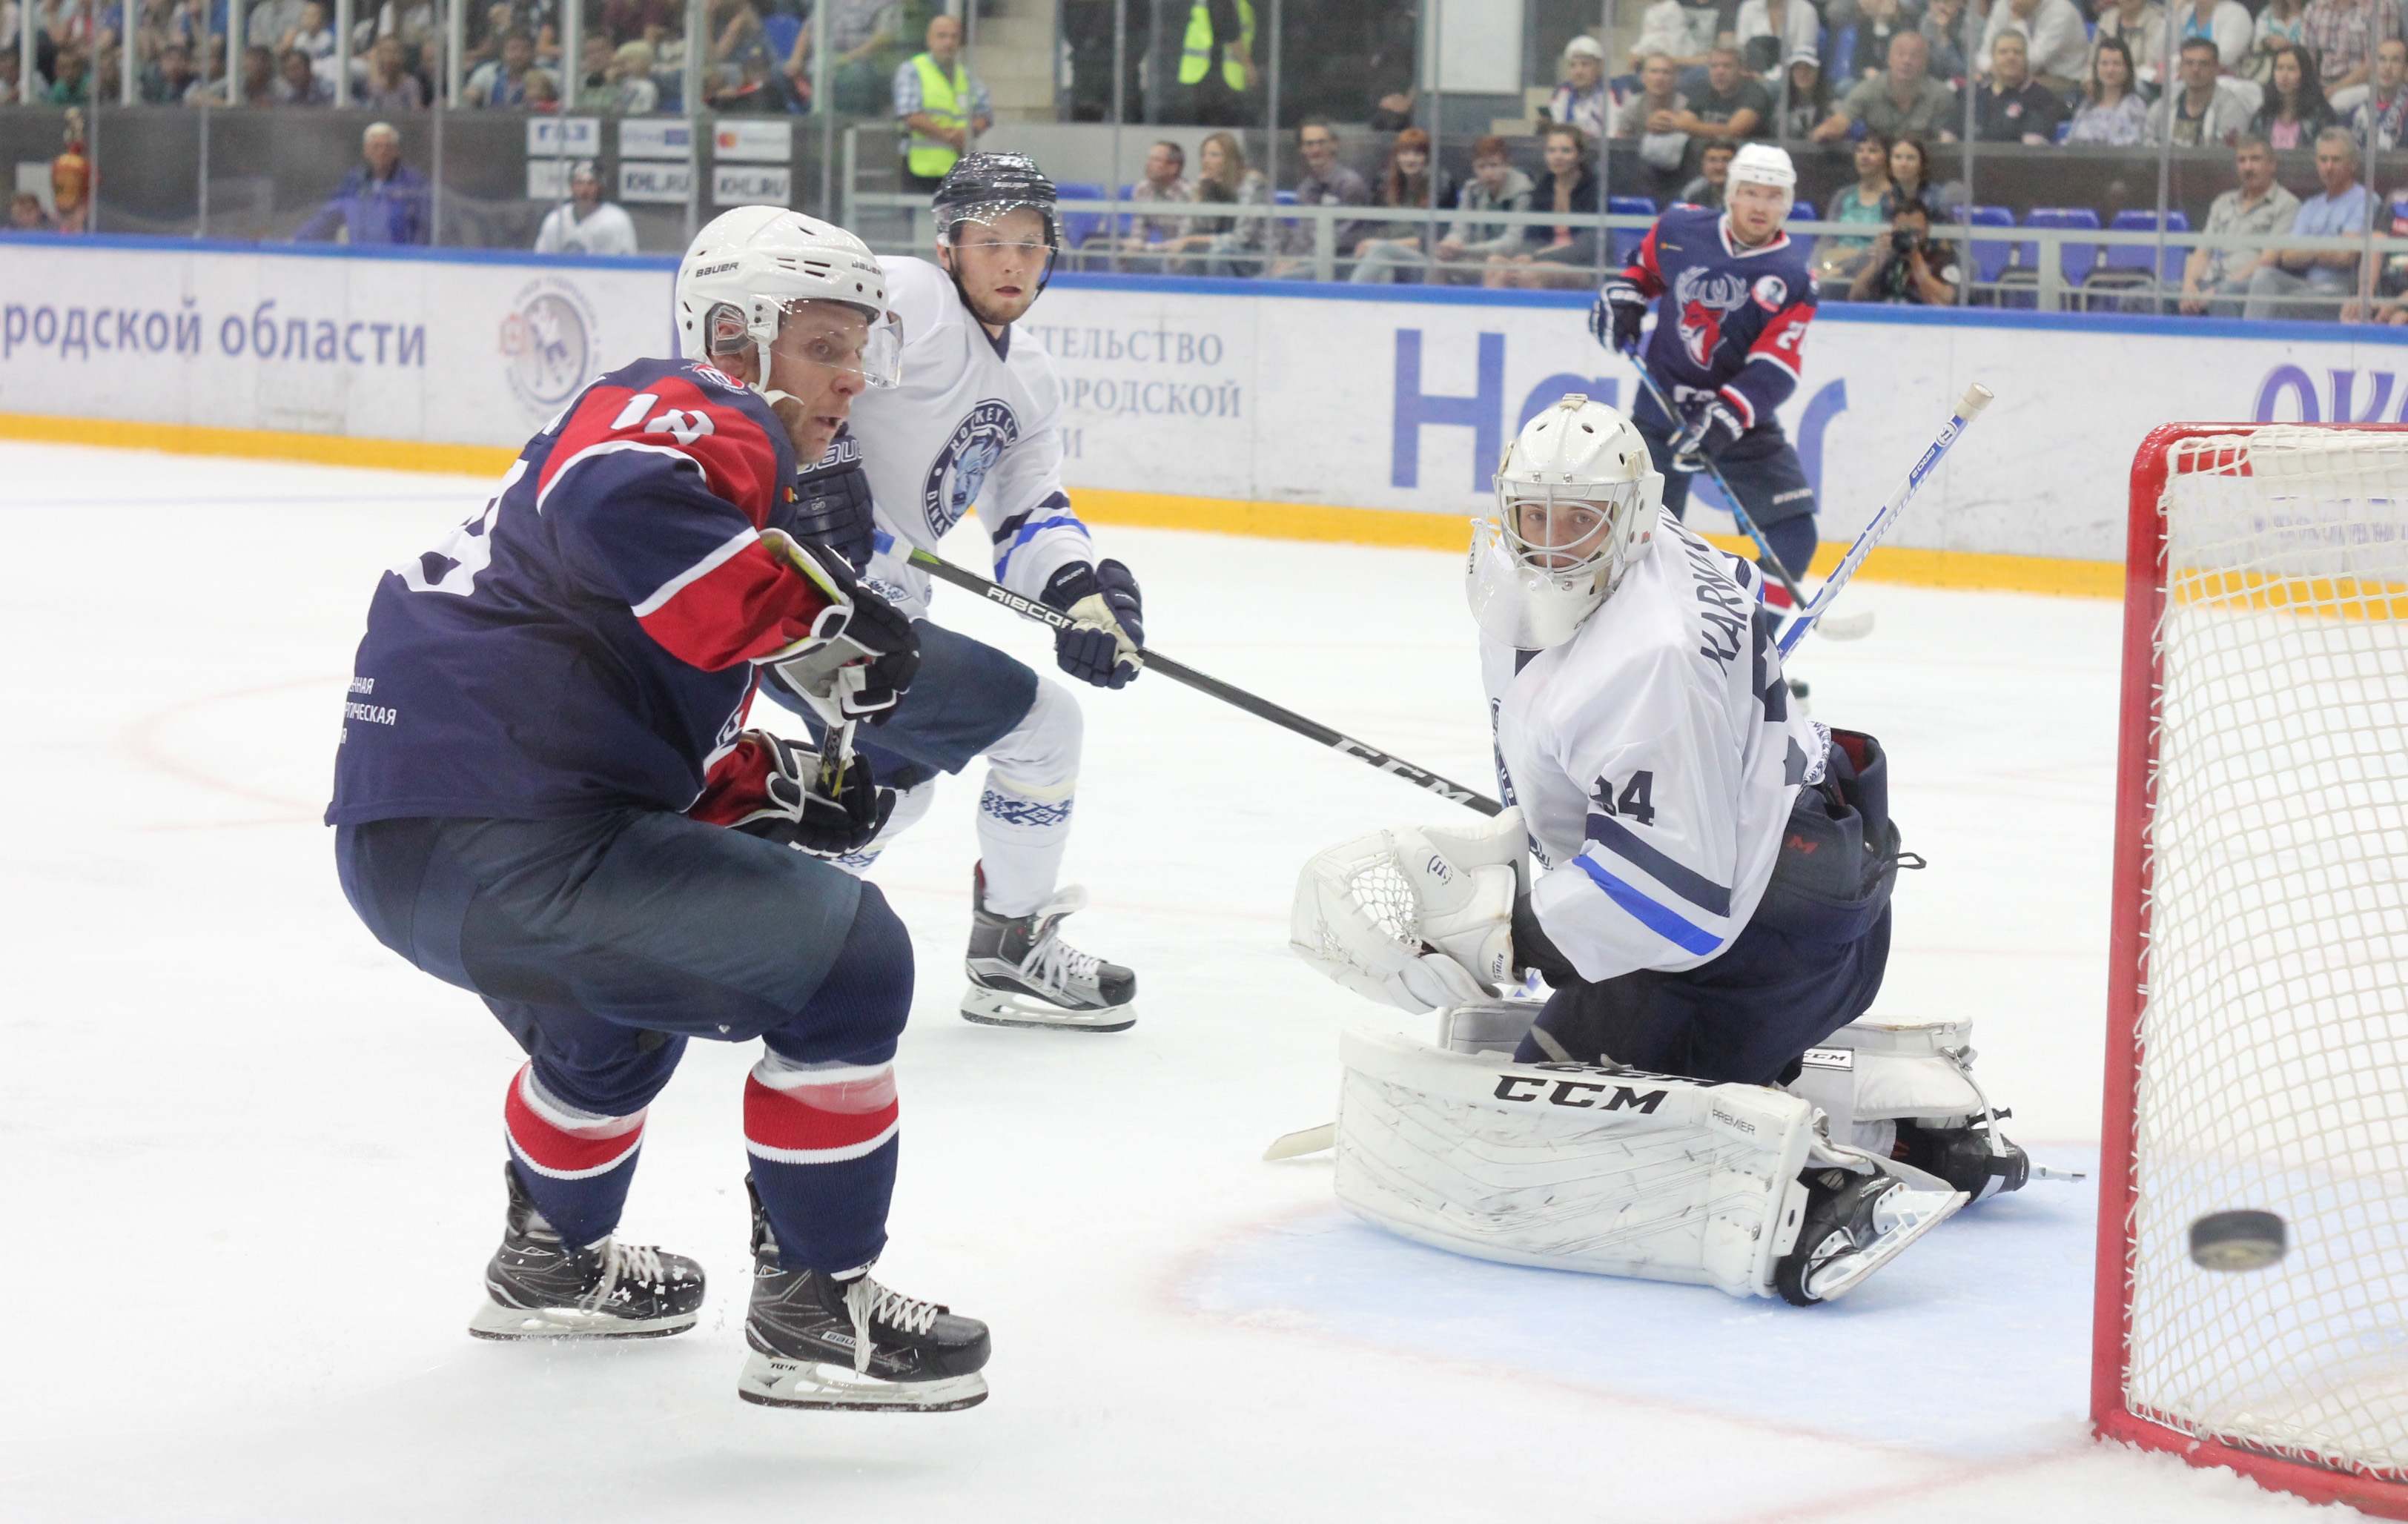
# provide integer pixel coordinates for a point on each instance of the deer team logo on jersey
(961, 467)
(1702, 329)
(1705, 296)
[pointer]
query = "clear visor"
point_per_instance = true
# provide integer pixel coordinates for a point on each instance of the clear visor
(994, 226)
(833, 337)
(1567, 528)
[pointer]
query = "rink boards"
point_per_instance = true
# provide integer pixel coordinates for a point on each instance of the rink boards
(1323, 412)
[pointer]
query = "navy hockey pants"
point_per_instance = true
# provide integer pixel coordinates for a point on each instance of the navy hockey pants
(604, 941)
(1763, 468)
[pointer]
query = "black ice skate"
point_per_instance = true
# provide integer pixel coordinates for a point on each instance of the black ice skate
(1024, 975)
(820, 1342)
(1854, 1225)
(537, 1287)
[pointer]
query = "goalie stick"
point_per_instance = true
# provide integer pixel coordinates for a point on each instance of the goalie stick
(1855, 627)
(1968, 407)
(1180, 672)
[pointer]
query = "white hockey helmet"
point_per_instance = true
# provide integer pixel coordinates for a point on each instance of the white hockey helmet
(1761, 163)
(1577, 498)
(752, 266)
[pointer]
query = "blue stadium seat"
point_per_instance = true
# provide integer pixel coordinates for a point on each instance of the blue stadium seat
(1078, 227)
(1990, 257)
(2080, 259)
(1801, 212)
(1626, 241)
(2138, 257)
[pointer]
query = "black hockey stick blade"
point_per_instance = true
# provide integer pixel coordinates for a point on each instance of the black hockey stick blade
(970, 582)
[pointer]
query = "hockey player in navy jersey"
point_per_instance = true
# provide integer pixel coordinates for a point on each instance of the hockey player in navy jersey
(1732, 296)
(546, 794)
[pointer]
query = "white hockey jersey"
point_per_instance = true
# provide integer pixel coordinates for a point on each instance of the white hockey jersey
(976, 424)
(1654, 756)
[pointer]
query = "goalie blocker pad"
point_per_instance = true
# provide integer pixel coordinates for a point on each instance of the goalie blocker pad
(1585, 1167)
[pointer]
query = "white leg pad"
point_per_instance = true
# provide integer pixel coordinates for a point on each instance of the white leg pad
(1870, 1075)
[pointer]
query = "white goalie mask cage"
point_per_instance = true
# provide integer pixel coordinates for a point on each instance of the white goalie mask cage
(752, 267)
(1577, 499)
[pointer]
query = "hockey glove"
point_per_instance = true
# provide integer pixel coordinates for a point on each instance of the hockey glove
(1104, 646)
(1714, 429)
(858, 629)
(769, 787)
(1621, 309)
(832, 506)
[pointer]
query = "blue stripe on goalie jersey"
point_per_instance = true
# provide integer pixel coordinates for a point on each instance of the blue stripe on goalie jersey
(1656, 919)
(1611, 834)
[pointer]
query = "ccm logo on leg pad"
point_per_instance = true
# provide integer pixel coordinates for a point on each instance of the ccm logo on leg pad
(1579, 1093)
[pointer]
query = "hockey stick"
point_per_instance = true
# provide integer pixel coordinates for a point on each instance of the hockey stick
(1968, 407)
(1856, 626)
(1180, 672)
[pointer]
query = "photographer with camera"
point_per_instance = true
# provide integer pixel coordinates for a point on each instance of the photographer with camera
(1908, 267)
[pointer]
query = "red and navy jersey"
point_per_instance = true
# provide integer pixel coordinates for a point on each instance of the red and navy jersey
(1728, 321)
(586, 641)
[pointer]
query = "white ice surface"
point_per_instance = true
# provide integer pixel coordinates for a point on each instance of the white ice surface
(250, 1158)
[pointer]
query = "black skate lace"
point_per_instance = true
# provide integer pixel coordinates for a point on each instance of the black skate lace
(641, 1263)
(1053, 963)
(868, 1301)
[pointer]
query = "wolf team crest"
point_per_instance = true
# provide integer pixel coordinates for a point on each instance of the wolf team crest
(961, 467)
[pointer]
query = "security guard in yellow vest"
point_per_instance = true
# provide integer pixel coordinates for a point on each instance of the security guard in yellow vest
(1216, 88)
(940, 106)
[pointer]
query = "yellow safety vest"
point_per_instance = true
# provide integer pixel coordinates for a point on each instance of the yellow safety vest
(1198, 55)
(948, 101)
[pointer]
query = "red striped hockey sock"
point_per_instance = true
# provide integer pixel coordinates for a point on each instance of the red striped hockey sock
(575, 1164)
(823, 1141)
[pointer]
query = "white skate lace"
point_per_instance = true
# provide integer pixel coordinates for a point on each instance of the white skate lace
(1054, 965)
(641, 1263)
(868, 1301)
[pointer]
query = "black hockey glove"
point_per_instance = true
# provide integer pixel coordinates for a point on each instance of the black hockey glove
(1621, 309)
(883, 630)
(832, 505)
(1534, 949)
(864, 630)
(1103, 649)
(769, 787)
(1714, 429)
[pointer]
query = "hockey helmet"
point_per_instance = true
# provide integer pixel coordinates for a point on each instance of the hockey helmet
(751, 267)
(1577, 499)
(981, 187)
(1761, 163)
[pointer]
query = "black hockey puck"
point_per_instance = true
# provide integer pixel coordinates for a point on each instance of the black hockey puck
(2236, 1240)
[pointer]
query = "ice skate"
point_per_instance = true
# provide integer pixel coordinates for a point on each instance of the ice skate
(1855, 1224)
(1024, 975)
(537, 1287)
(820, 1342)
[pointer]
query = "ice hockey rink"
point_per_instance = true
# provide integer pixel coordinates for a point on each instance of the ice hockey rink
(251, 1158)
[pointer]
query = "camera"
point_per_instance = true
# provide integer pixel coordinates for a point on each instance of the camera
(1906, 240)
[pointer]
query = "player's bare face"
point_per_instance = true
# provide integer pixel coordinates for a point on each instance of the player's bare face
(998, 261)
(1559, 535)
(1756, 211)
(817, 361)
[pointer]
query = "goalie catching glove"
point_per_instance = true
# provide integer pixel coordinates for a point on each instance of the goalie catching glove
(767, 786)
(1416, 917)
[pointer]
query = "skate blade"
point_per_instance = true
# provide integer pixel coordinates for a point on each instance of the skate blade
(1913, 1213)
(494, 1321)
(997, 1008)
(772, 1382)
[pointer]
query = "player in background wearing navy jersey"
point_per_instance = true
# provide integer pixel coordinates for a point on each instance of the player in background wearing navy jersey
(541, 762)
(1732, 296)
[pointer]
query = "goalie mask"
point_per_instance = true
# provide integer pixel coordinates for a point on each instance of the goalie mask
(1576, 504)
(783, 284)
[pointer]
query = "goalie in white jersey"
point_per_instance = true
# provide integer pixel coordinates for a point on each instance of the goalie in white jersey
(975, 426)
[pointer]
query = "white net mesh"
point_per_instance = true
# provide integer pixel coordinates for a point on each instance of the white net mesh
(1377, 888)
(2273, 1067)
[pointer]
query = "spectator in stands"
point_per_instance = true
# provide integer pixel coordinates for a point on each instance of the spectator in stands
(2282, 21)
(859, 31)
(2112, 109)
(1686, 35)
(485, 42)
(1582, 99)
(1772, 31)
(2294, 109)
(938, 106)
(585, 224)
(668, 67)
(1953, 31)
(2140, 25)
(592, 89)
(1904, 99)
(1907, 267)
(297, 83)
(1910, 171)
(9, 71)
(1730, 109)
(382, 200)
(1713, 179)
(501, 83)
(1410, 185)
(2390, 304)
(1647, 121)
(255, 84)
(1839, 257)
(311, 34)
(1326, 182)
(2378, 122)
(1495, 186)
(1874, 22)
(1231, 246)
(2215, 276)
(759, 89)
(25, 214)
(2226, 24)
(69, 81)
(2014, 107)
(2057, 42)
(2341, 36)
(2311, 282)
(2205, 107)
(1165, 184)
(271, 23)
(1217, 73)
(543, 96)
(632, 93)
(170, 78)
(389, 86)
(624, 21)
(1561, 257)
(1807, 101)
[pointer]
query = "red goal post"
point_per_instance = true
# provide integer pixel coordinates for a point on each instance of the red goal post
(2258, 1007)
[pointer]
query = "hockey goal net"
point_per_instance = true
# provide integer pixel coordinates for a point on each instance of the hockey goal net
(2257, 1048)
